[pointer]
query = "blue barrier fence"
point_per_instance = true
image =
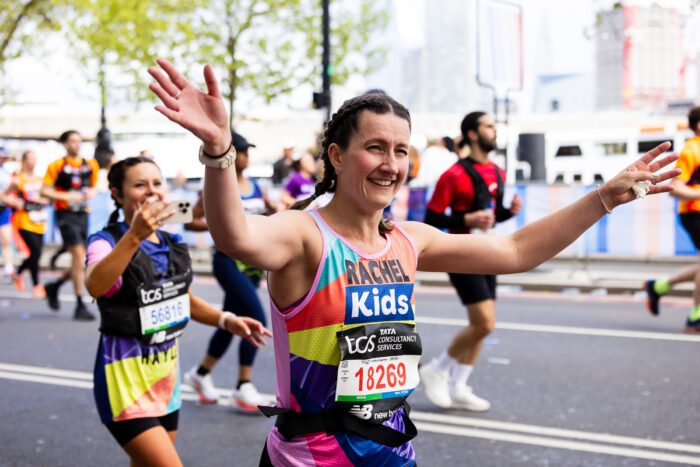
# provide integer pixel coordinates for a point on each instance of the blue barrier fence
(648, 227)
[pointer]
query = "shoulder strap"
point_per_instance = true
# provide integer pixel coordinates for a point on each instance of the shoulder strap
(115, 231)
(481, 191)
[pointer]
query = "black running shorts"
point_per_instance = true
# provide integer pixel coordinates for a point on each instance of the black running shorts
(691, 223)
(474, 288)
(73, 227)
(127, 430)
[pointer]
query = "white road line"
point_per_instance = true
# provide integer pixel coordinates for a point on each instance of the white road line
(499, 325)
(46, 380)
(557, 443)
(553, 432)
(435, 423)
(38, 370)
(567, 330)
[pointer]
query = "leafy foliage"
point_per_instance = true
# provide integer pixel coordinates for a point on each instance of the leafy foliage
(271, 47)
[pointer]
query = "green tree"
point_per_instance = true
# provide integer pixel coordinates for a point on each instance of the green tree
(114, 40)
(21, 26)
(21, 20)
(271, 47)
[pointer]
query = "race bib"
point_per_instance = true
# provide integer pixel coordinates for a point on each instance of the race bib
(378, 369)
(163, 309)
(38, 216)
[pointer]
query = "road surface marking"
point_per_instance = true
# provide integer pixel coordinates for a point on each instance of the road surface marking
(437, 423)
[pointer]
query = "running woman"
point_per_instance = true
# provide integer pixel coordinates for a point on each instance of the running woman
(141, 276)
(301, 184)
(472, 189)
(240, 283)
(29, 219)
(341, 279)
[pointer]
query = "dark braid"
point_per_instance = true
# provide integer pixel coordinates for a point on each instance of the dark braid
(340, 128)
(116, 176)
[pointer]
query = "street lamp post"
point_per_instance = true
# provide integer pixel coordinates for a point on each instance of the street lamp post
(103, 146)
(323, 99)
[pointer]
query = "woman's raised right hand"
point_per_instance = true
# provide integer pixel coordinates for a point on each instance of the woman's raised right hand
(149, 217)
(202, 113)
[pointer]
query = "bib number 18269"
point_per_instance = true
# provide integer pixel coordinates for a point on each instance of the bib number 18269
(381, 376)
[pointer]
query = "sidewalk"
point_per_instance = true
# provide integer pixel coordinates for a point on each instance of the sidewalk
(599, 273)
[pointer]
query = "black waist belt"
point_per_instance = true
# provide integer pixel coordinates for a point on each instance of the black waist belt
(290, 424)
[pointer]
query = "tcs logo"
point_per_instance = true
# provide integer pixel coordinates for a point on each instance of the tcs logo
(150, 296)
(362, 344)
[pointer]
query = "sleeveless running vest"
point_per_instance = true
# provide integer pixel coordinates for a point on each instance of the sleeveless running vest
(149, 306)
(253, 203)
(349, 347)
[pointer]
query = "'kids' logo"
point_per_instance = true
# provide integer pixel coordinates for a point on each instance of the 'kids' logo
(375, 303)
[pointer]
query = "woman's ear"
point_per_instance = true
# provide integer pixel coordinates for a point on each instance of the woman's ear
(117, 195)
(336, 157)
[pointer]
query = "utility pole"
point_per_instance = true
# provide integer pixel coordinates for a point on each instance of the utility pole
(323, 99)
(103, 146)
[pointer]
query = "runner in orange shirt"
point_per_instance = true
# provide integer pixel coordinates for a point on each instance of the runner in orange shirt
(70, 183)
(686, 187)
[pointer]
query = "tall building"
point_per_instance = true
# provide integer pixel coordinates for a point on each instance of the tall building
(449, 74)
(639, 57)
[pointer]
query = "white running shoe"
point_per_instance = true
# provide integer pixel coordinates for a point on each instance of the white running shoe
(436, 384)
(203, 385)
(463, 397)
(247, 398)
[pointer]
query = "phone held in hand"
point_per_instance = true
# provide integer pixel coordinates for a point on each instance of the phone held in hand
(182, 212)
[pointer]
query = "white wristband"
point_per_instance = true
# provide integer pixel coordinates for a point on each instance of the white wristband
(222, 319)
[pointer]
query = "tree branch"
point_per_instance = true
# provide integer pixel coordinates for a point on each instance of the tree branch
(15, 25)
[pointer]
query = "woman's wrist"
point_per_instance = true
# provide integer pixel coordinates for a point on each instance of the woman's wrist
(605, 198)
(222, 319)
(131, 238)
(216, 147)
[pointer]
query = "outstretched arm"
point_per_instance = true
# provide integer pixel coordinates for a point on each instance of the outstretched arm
(537, 242)
(248, 238)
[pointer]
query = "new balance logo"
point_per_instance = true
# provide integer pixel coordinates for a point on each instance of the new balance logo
(363, 412)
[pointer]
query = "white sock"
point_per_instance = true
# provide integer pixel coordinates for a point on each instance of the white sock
(444, 362)
(459, 374)
(9, 269)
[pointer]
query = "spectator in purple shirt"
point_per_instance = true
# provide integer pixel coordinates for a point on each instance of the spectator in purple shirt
(301, 184)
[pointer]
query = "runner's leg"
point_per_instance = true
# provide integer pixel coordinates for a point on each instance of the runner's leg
(153, 447)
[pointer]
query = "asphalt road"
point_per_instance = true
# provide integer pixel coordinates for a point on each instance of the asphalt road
(574, 381)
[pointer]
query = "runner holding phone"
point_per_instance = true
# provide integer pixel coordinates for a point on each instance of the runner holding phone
(140, 276)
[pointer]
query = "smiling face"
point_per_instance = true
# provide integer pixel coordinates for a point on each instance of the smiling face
(141, 182)
(373, 166)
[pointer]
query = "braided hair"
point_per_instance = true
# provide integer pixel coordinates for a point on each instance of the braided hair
(340, 128)
(116, 176)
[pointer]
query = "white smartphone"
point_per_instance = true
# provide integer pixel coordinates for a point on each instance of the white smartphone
(182, 212)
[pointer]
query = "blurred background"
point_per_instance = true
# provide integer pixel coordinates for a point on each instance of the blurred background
(579, 88)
